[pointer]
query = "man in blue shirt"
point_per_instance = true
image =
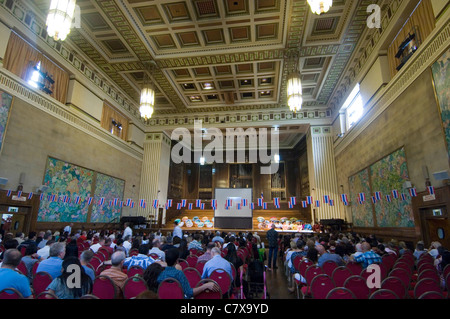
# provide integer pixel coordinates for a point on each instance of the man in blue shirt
(141, 259)
(172, 272)
(177, 231)
(53, 264)
(368, 256)
(9, 278)
(325, 256)
(216, 262)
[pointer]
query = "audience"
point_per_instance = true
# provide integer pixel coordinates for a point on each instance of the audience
(216, 262)
(85, 258)
(115, 271)
(53, 264)
(9, 278)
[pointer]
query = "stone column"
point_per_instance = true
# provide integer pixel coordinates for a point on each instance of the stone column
(155, 174)
(322, 173)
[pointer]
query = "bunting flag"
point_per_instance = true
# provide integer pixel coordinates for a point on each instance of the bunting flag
(326, 199)
(362, 197)
(178, 205)
(293, 201)
(388, 198)
(214, 203)
(262, 196)
(116, 201)
(155, 203)
(244, 202)
(331, 202)
(41, 197)
(19, 194)
(374, 200)
(413, 192)
(304, 203)
(252, 205)
(227, 207)
(229, 202)
(202, 206)
(317, 203)
(128, 202)
(403, 196)
(121, 204)
(101, 202)
(30, 195)
(132, 204)
(168, 203)
(142, 203)
(290, 204)
(77, 200)
(183, 202)
(395, 193)
(198, 203)
(344, 198)
(190, 206)
(89, 200)
(54, 198)
(378, 195)
(238, 206)
(8, 193)
(66, 199)
(276, 201)
(264, 205)
(430, 190)
(309, 200)
(260, 202)
(110, 203)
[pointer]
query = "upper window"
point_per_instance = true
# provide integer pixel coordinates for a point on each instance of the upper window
(354, 107)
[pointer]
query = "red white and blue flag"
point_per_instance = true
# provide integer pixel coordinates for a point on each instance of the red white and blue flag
(304, 203)
(8, 193)
(178, 205)
(198, 203)
(344, 198)
(116, 201)
(260, 202)
(190, 205)
(214, 203)
(293, 201)
(362, 197)
(101, 202)
(430, 190)
(309, 200)
(244, 202)
(30, 195)
(132, 204)
(252, 205)
(264, 205)
(413, 192)
(238, 206)
(202, 206)
(142, 203)
(290, 204)
(41, 197)
(110, 203)
(395, 193)
(374, 200)
(403, 196)
(128, 203)
(276, 201)
(229, 202)
(326, 199)
(317, 203)
(155, 203)
(388, 198)
(77, 200)
(331, 202)
(89, 200)
(121, 204)
(183, 202)
(169, 203)
(19, 194)
(378, 195)
(262, 195)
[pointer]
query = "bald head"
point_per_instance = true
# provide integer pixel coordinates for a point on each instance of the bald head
(365, 246)
(11, 258)
(320, 249)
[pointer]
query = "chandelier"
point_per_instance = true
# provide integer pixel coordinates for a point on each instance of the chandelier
(294, 83)
(59, 18)
(320, 6)
(147, 94)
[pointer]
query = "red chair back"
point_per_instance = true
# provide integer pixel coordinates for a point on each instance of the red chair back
(340, 293)
(23, 268)
(340, 275)
(403, 265)
(23, 249)
(312, 272)
(329, 266)
(10, 293)
(426, 266)
(193, 276)
(192, 260)
(170, 288)
(41, 281)
(46, 295)
(321, 285)
(303, 266)
(35, 266)
(429, 273)
(105, 288)
(432, 295)
(208, 294)
(134, 286)
(396, 285)
(222, 278)
(426, 285)
(200, 265)
(358, 286)
(135, 270)
(183, 263)
(402, 274)
(383, 294)
(354, 267)
(446, 271)
(95, 262)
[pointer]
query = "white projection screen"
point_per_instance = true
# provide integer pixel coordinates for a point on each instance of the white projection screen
(233, 217)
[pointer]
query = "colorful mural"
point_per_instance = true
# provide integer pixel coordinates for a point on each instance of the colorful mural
(107, 188)
(362, 212)
(441, 77)
(5, 107)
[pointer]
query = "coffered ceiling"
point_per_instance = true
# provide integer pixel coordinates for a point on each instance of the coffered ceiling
(215, 56)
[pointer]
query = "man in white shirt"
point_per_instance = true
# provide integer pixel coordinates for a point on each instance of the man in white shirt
(156, 243)
(44, 252)
(127, 243)
(128, 231)
(177, 232)
(96, 246)
(68, 229)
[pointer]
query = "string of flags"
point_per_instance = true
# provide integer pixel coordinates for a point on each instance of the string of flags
(292, 201)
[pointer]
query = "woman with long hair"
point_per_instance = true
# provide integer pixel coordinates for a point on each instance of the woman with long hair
(70, 268)
(151, 274)
(183, 249)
